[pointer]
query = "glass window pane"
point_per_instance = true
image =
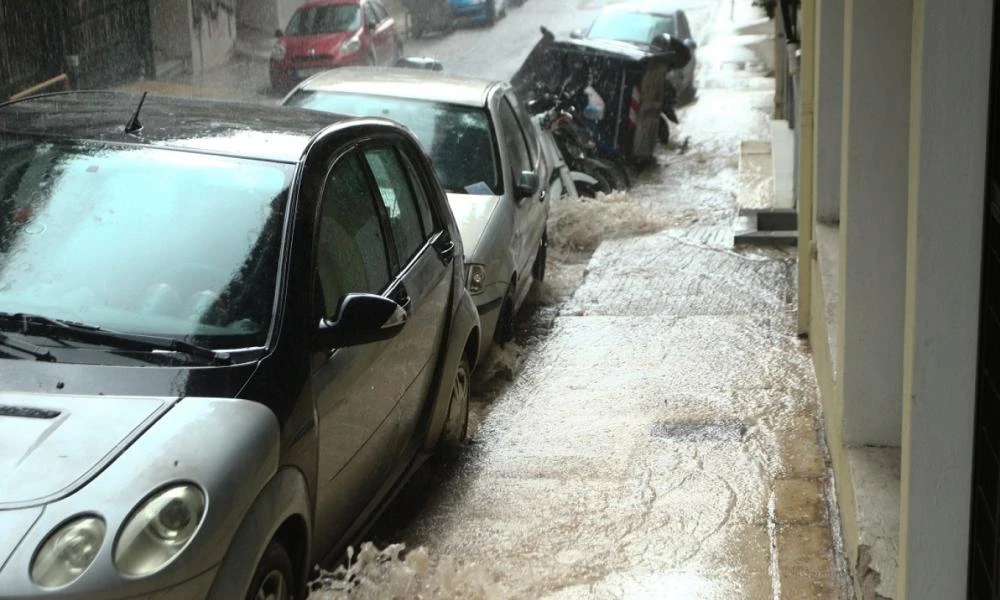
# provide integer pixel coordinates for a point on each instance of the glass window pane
(517, 151)
(350, 253)
(401, 206)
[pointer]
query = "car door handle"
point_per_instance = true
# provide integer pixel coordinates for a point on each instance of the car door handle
(445, 248)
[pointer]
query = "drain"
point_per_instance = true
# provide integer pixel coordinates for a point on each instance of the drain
(726, 430)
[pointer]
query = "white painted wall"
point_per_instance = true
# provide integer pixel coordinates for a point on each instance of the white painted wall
(873, 219)
(828, 101)
(951, 61)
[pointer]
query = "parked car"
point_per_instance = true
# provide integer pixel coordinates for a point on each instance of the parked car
(485, 151)
(333, 33)
(479, 11)
(639, 22)
(229, 333)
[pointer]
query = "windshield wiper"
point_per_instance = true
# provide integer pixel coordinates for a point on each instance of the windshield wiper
(30, 324)
(37, 352)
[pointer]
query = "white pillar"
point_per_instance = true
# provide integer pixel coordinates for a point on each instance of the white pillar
(951, 71)
(873, 218)
(828, 105)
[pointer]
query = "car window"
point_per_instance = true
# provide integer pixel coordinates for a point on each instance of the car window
(149, 241)
(380, 10)
(459, 139)
(683, 30)
(527, 128)
(630, 27)
(351, 252)
(514, 144)
(334, 18)
(396, 191)
(370, 15)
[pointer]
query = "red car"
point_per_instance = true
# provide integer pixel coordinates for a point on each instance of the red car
(333, 33)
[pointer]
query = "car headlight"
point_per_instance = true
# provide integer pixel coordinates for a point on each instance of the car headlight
(67, 552)
(351, 46)
(278, 51)
(476, 279)
(159, 529)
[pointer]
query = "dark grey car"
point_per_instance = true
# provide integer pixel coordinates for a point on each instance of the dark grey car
(228, 334)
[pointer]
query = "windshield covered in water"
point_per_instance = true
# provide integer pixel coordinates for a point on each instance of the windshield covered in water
(459, 139)
(637, 28)
(334, 18)
(141, 240)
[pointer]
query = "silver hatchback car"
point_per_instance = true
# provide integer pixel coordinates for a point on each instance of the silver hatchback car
(485, 152)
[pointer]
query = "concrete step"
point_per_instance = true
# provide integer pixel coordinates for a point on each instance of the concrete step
(767, 238)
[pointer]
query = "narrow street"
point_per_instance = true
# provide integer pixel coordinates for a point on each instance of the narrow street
(654, 431)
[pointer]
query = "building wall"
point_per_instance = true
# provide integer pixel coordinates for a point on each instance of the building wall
(949, 115)
(170, 21)
(213, 33)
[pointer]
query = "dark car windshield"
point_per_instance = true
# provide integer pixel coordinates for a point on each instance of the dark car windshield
(141, 240)
(458, 139)
(630, 27)
(333, 18)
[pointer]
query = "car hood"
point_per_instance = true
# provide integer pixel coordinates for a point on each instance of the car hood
(50, 445)
(472, 213)
(321, 44)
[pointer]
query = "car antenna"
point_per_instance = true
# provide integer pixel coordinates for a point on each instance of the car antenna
(133, 124)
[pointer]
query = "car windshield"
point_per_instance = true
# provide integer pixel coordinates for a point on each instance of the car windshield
(458, 139)
(333, 18)
(141, 240)
(630, 27)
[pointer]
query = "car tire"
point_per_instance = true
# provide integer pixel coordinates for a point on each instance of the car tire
(504, 330)
(538, 269)
(456, 424)
(274, 577)
(491, 13)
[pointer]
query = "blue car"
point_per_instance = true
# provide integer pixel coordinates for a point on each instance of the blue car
(479, 11)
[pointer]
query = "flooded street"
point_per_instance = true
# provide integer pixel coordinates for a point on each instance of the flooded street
(654, 432)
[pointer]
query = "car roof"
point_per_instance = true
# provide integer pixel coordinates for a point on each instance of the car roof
(421, 84)
(649, 7)
(249, 130)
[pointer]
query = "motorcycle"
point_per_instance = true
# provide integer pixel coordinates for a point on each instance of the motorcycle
(558, 118)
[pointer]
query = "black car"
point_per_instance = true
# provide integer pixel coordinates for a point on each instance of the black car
(228, 333)
(640, 22)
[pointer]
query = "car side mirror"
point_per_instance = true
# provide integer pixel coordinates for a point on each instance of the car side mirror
(362, 319)
(576, 34)
(279, 33)
(691, 44)
(527, 185)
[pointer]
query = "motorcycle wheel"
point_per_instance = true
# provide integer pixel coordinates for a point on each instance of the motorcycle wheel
(589, 190)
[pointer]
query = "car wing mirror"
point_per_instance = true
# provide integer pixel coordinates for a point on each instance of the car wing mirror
(278, 33)
(527, 185)
(419, 62)
(691, 44)
(576, 34)
(362, 319)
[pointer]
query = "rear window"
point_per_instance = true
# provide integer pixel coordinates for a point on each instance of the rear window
(631, 27)
(335, 18)
(459, 139)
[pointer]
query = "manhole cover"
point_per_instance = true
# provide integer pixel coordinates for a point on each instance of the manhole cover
(726, 430)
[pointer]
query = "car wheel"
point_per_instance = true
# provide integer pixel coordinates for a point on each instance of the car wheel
(399, 52)
(663, 131)
(456, 425)
(538, 269)
(491, 13)
(273, 579)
